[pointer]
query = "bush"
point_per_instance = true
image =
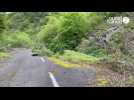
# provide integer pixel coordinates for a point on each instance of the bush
(18, 40)
(77, 57)
(65, 30)
(96, 51)
(49, 31)
(2, 23)
(90, 48)
(40, 48)
(43, 52)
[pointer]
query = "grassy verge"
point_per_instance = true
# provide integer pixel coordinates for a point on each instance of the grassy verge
(77, 57)
(62, 63)
(73, 59)
(3, 55)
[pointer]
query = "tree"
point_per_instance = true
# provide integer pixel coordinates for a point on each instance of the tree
(65, 30)
(2, 24)
(29, 22)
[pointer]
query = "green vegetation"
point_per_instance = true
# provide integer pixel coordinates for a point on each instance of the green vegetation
(69, 38)
(18, 40)
(65, 30)
(101, 82)
(2, 23)
(77, 57)
(3, 55)
(62, 63)
(71, 59)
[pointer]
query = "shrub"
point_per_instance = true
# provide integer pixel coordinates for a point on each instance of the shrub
(90, 48)
(40, 48)
(49, 31)
(44, 52)
(18, 40)
(65, 30)
(77, 57)
(2, 23)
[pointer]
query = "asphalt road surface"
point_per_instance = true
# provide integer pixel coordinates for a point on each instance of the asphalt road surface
(24, 70)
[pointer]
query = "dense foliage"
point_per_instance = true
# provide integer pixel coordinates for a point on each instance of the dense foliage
(65, 30)
(70, 35)
(2, 24)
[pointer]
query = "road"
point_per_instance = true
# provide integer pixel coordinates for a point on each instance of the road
(24, 70)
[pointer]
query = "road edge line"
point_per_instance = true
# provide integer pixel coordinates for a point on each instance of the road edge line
(42, 59)
(55, 83)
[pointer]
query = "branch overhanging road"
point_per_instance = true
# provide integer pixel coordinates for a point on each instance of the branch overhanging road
(25, 70)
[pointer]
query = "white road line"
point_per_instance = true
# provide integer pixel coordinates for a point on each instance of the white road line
(55, 83)
(42, 59)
